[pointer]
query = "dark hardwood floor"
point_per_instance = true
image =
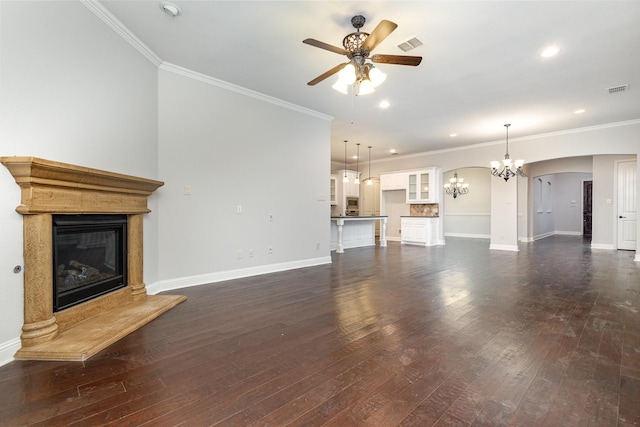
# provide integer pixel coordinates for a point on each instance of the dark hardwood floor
(447, 336)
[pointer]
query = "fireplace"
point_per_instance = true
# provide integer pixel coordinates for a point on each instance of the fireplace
(83, 258)
(89, 257)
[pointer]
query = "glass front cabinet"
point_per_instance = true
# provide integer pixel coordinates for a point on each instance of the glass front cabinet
(422, 186)
(332, 190)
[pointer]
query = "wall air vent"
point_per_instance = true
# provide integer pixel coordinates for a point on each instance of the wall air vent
(616, 89)
(409, 44)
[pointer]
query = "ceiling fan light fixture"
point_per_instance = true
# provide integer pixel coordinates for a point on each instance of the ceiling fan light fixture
(376, 76)
(365, 88)
(347, 74)
(341, 87)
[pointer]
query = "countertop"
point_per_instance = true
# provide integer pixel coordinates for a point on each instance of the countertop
(359, 217)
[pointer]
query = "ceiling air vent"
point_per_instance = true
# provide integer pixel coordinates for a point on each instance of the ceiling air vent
(617, 89)
(412, 43)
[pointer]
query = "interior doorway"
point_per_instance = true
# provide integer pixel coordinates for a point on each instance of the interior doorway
(587, 204)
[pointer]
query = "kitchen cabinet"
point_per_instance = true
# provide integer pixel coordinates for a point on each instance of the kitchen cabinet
(349, 189)
(370, 198)
(393, 181)
(418, 230)
(423, 186)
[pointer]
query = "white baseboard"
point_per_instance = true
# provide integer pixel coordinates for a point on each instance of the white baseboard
(219, 276)
(543, 236)
(602, 246)
(569, 233)
(513, 248)
(469, 236)
(8, 350)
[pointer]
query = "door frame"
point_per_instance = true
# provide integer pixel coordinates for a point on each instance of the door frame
(616, 194)
(582, 203)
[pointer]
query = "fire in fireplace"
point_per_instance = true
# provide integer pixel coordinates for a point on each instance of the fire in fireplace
(89, 257)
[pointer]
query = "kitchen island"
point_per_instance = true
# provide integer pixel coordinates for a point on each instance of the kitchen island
(356, 231)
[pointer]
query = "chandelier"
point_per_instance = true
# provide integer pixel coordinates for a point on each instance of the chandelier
(456, 186)
(508, 166)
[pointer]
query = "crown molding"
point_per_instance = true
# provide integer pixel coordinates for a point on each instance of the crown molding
(116, 25)
(176, 69)
(522, 138)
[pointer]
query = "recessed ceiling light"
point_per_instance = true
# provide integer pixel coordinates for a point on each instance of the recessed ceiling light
(384, 104)
(452, 135)
(550, 51)
(579, 111)
(170, 9)
(393, 151)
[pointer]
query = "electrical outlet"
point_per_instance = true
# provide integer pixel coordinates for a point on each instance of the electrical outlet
(250, 253)
(317, 246)
(239, 209)
(187, 190)
(270, 217)
(239, 254)
(269, 250)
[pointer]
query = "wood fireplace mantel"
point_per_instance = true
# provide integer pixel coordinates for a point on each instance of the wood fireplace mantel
(48, 188)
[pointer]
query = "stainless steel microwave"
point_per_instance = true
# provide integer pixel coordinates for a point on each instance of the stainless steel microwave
(352, 208)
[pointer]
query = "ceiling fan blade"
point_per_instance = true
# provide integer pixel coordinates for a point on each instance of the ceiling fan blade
(397, 59)
(326, 74)
(380, 33)
(325, 46)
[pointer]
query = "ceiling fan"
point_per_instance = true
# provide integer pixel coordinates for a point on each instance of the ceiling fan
(357, 48)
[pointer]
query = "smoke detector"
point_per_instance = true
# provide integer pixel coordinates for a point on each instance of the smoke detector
(170, 9)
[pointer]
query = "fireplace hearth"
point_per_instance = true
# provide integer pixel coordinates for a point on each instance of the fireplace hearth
(83, 257)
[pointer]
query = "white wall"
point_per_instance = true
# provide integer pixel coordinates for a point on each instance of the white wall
(568, 202)
(469, 215)
(234, 149)
(71, 90)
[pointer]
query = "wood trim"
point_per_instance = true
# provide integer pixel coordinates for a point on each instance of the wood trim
(53, 187)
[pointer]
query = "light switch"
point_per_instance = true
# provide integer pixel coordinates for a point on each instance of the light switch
(187, 190)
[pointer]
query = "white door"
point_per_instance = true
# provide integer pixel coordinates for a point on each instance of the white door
(627, 206)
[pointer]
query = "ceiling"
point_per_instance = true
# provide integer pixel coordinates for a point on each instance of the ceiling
(481, 64)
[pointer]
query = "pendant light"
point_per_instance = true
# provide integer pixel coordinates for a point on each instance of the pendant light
(508, 168)
(369, 182)
(345, 179)
(357, 180)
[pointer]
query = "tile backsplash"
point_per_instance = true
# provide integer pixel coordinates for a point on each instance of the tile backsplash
(426, 209)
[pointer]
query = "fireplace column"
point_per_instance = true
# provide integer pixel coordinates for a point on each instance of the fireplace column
(134, 237)
(39, 322)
